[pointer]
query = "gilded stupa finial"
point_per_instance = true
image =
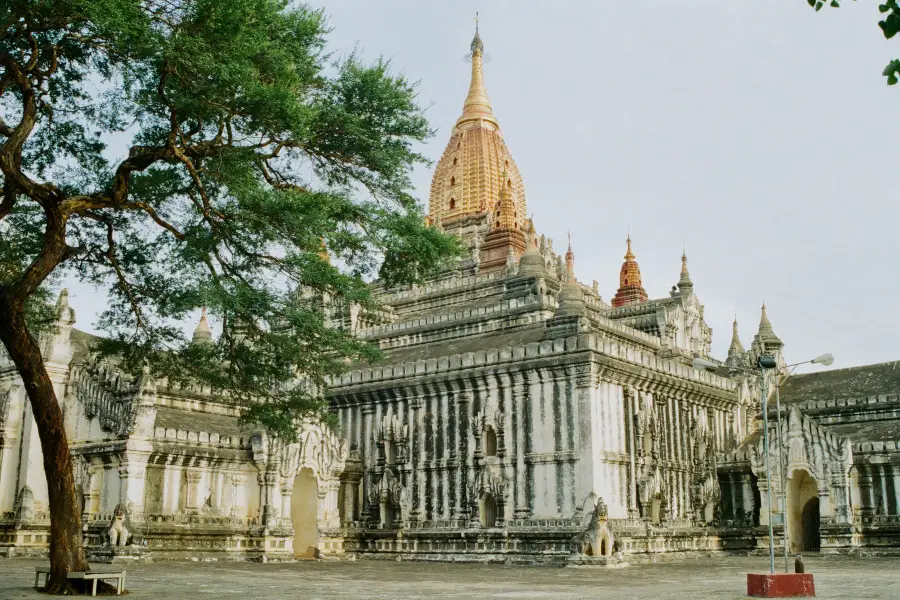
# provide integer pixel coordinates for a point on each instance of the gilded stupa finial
(629, 255)
(477, 44)
(477, 105)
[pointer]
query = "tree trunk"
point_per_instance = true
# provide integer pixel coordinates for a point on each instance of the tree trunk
(66, 547)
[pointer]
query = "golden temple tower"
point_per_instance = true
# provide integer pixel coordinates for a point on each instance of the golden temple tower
(631, 290)
(469, 177)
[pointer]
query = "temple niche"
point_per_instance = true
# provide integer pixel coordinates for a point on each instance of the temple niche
(517, 416)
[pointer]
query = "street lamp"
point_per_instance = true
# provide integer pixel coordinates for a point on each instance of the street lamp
(767, 362)
(826, 360)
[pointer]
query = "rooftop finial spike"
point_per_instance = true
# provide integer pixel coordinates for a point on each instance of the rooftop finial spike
(477, 105)
(629, 255)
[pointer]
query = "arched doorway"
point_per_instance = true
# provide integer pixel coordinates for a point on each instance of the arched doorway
(488, 511)
(810, 519)
(304, 505)
(803, 512)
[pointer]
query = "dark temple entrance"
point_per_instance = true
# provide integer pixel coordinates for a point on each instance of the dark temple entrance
(811, 540)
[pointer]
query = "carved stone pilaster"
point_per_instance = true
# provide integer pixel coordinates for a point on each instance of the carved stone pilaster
(192, 497)
(237, 480)
(463, 459)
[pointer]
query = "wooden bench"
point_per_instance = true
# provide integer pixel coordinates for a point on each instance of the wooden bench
(92, 575)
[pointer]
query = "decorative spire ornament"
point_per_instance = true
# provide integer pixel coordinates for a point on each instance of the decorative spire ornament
(477, 105)
(631, 290)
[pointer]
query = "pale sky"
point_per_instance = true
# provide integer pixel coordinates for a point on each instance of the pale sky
(759, 134)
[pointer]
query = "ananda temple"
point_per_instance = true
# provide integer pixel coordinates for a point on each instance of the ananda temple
(518, 416)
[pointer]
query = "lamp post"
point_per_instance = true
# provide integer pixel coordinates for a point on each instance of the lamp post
(764, 362)
(767, 362)
(826, 360)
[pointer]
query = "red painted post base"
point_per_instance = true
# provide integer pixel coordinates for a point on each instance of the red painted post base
(780, 585)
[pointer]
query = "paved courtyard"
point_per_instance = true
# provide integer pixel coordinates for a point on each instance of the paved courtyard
(719, 577)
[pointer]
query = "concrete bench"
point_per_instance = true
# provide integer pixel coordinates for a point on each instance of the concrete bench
(92, 575)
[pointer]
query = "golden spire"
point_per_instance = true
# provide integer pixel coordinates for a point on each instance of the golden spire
(629, 255)
(477, 105)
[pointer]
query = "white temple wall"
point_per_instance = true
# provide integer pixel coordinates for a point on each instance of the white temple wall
(110, 493)
(608, 440)
(12, 444)
(31, 460)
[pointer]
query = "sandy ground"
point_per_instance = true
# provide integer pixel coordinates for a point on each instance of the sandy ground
(718, 577)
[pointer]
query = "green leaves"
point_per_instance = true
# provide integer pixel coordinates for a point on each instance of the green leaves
(892, 71)
(259, 181)
(890, 26)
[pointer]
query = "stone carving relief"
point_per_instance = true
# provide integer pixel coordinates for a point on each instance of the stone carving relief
(646, 428)
(653, 496)
(317, 448)
(392, 438)
(489, 419)
(701, 436)
(706, 495)
(671, 329)
(392, 497)
(826, 457)
(107, 394)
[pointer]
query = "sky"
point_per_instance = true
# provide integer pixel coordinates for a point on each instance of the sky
(756, 136)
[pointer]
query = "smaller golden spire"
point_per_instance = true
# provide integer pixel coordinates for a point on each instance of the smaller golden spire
(629, 255)
(507, 208)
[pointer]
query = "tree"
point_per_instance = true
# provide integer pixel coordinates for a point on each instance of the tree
(889, 24)
(258, 175)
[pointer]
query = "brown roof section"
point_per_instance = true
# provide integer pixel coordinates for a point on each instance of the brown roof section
(854, 382)
(174, 418)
